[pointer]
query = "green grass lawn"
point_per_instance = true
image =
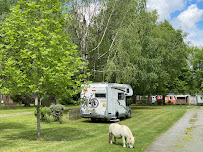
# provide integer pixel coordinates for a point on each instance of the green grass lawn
(8, 109)
(18, 133)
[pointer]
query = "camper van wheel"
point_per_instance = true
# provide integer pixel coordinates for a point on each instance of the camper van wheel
(117, 115)
(128, 115)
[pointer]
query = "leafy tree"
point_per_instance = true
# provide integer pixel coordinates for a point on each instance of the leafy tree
(124, 43)
(147, 55)
(173, 53)
(37, 57)
(196, 63)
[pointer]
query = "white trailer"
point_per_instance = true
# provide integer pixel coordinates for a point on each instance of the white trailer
(106, 101)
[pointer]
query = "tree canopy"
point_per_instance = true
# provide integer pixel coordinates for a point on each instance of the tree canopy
(124, 43)
(36, 55)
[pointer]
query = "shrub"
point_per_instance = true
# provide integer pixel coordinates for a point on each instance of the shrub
(169, 102)
(144, 101)
(159, 102)
(44, 114)
(57, 111)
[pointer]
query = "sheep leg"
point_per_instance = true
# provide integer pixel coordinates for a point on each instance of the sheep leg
(123, 141)
(110, 138)
(115, 140)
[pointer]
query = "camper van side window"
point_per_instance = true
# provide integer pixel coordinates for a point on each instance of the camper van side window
(100, 95)
(120, 96)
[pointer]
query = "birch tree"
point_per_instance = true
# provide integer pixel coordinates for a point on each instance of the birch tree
(95, 28)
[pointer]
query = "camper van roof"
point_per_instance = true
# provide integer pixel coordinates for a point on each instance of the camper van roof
(105, 84)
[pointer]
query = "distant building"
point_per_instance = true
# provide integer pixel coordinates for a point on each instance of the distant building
(6, 99)
(139, 99)
(152, 99)
(170, 97)
(182, 99)
(193, 100)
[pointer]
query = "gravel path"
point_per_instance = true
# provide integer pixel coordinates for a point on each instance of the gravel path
(15, 114)
(185, 136)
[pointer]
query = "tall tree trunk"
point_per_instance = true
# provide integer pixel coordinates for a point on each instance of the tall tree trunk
(38, 119)
(164, 100)
(38, 103)
(149, 97)
(134, 99)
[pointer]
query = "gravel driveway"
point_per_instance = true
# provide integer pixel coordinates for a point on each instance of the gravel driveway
(185, 136)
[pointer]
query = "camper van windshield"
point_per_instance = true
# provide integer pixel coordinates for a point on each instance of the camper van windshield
(100, 95)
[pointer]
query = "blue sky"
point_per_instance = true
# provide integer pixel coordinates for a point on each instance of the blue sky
(182, 14)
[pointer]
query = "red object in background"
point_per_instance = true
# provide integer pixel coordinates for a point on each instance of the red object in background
(85, 91)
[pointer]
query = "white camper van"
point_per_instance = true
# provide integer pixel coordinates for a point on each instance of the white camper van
(106, 101)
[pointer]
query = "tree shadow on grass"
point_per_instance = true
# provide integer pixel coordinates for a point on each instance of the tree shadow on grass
(11, 125)
(145, 107)
(50, 134)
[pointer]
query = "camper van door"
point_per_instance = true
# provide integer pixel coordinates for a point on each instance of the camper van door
(119, 102)
(121, 106)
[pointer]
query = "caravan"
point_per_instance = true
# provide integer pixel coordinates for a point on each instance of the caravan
(106, 101)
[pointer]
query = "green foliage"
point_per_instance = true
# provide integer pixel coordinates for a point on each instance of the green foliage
(191, 77)
(57, 111)
(146, 55)
(48, 100)
(125, 44)
(169, 102)
(196, 62)
(26, 100)
(5, 8)
(17, 98)
(36, 55)
(45, 113)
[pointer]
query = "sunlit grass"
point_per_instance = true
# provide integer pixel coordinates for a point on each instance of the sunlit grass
(147, 123)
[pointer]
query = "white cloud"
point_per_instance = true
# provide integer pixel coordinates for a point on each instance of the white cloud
(166, 7)
(195, 37)
(189, 17)
(187, 21)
